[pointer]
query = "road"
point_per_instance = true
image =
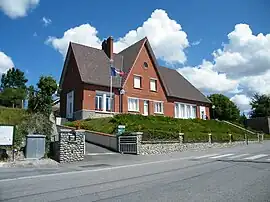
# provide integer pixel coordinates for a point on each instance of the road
(232, 174)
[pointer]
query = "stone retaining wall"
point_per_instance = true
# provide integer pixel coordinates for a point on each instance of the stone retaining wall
(146, 148)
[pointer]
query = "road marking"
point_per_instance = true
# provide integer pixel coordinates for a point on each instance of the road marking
(267, 159)
(256, 157)
(238, 156)
(221, 156)
(205, 156)
(96, 170)
(99, 154)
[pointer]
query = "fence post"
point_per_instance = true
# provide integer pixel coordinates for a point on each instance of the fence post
(230, 137)
(181, 138)
(246, 139)
(258, 135)
(210, 138)
(139, 142)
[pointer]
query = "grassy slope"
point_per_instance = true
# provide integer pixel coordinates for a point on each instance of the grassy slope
(12, 116)
(158, 127)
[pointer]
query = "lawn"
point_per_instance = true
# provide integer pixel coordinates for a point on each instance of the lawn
(166, 128)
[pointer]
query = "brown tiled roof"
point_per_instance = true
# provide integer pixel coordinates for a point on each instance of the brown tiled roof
(177, 86)
(93, 65)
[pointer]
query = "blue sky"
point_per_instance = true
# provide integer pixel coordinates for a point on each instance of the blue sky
(206, 24)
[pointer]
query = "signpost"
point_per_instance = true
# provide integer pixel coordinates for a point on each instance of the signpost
(121, 129)
(7, 136)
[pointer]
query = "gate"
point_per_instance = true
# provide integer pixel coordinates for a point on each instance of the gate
(127, 144)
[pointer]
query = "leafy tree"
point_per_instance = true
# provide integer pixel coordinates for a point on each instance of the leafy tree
(260, 105)
(40, 100)
(243, 119)
(13, 88)
(225, 109)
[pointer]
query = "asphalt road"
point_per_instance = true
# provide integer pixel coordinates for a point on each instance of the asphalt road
(236, 174)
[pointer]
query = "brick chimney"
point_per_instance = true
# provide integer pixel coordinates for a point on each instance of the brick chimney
(107, 47)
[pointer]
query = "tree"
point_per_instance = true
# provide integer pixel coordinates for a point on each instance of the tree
(13, 88)
(14, 78)
(224, 109)
(260, 105)
(243, 119)
(40, 100)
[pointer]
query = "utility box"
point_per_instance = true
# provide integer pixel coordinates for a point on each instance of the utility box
(35, 146)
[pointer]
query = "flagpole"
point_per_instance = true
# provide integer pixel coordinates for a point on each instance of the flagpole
(111, 63)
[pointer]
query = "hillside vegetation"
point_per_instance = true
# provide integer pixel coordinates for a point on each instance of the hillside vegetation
(165, 128)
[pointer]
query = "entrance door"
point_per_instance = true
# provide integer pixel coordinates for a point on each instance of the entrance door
(145, 107)
(202, 112)
(70, 103)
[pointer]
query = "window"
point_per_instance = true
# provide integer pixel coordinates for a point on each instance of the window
(182, 110)
(145, 65)
(158, 107)
(188, 110)
(185, 111)
(193, 112)
(137, 82)
(102, 101)
(98, 102)
(153, 85)
(109, 103)
(133, 104)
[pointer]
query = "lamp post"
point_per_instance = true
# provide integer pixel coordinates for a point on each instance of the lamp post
(213, 108)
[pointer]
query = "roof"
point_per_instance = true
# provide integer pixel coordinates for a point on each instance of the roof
(177, 86)
(93, 65)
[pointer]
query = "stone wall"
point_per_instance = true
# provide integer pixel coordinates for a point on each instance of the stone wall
(159, 147)
(85, 114)
(69, 146)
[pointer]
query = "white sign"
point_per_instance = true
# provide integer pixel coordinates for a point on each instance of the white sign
(6, 135)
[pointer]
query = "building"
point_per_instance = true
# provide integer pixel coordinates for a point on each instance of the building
(146, 88)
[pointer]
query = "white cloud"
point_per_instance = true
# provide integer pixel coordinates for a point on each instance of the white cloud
(46, 21)
(196, 43)
(17, 8)
(242, 101)
(35, 34)
(84, 34)
(206, 79)
(241, 65)
(5, 63)
(165, 35)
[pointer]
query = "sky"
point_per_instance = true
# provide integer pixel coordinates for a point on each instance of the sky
(219, 46)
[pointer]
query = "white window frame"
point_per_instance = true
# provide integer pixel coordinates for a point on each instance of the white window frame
(104, 99)
(156, 108)
(137, 105)
(155, 82)
(179, 115)
(135, 84)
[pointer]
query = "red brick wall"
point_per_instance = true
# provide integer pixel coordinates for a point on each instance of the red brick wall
(144, 92)
(72, 81)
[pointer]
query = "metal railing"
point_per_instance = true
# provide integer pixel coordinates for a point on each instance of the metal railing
(127, 144)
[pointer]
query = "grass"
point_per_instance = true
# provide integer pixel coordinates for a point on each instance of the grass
(166, 128)
(12, 116)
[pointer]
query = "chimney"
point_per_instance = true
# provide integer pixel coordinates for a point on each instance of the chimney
(107, 47)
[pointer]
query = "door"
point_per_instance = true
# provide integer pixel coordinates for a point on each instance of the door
(145, 107)
(70, 104)
(202, 112)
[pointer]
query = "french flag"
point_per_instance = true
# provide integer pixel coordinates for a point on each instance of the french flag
(115, 72)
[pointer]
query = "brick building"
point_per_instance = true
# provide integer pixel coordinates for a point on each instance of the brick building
(146, 88)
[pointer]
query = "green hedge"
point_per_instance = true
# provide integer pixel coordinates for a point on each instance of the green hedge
(166, 128)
